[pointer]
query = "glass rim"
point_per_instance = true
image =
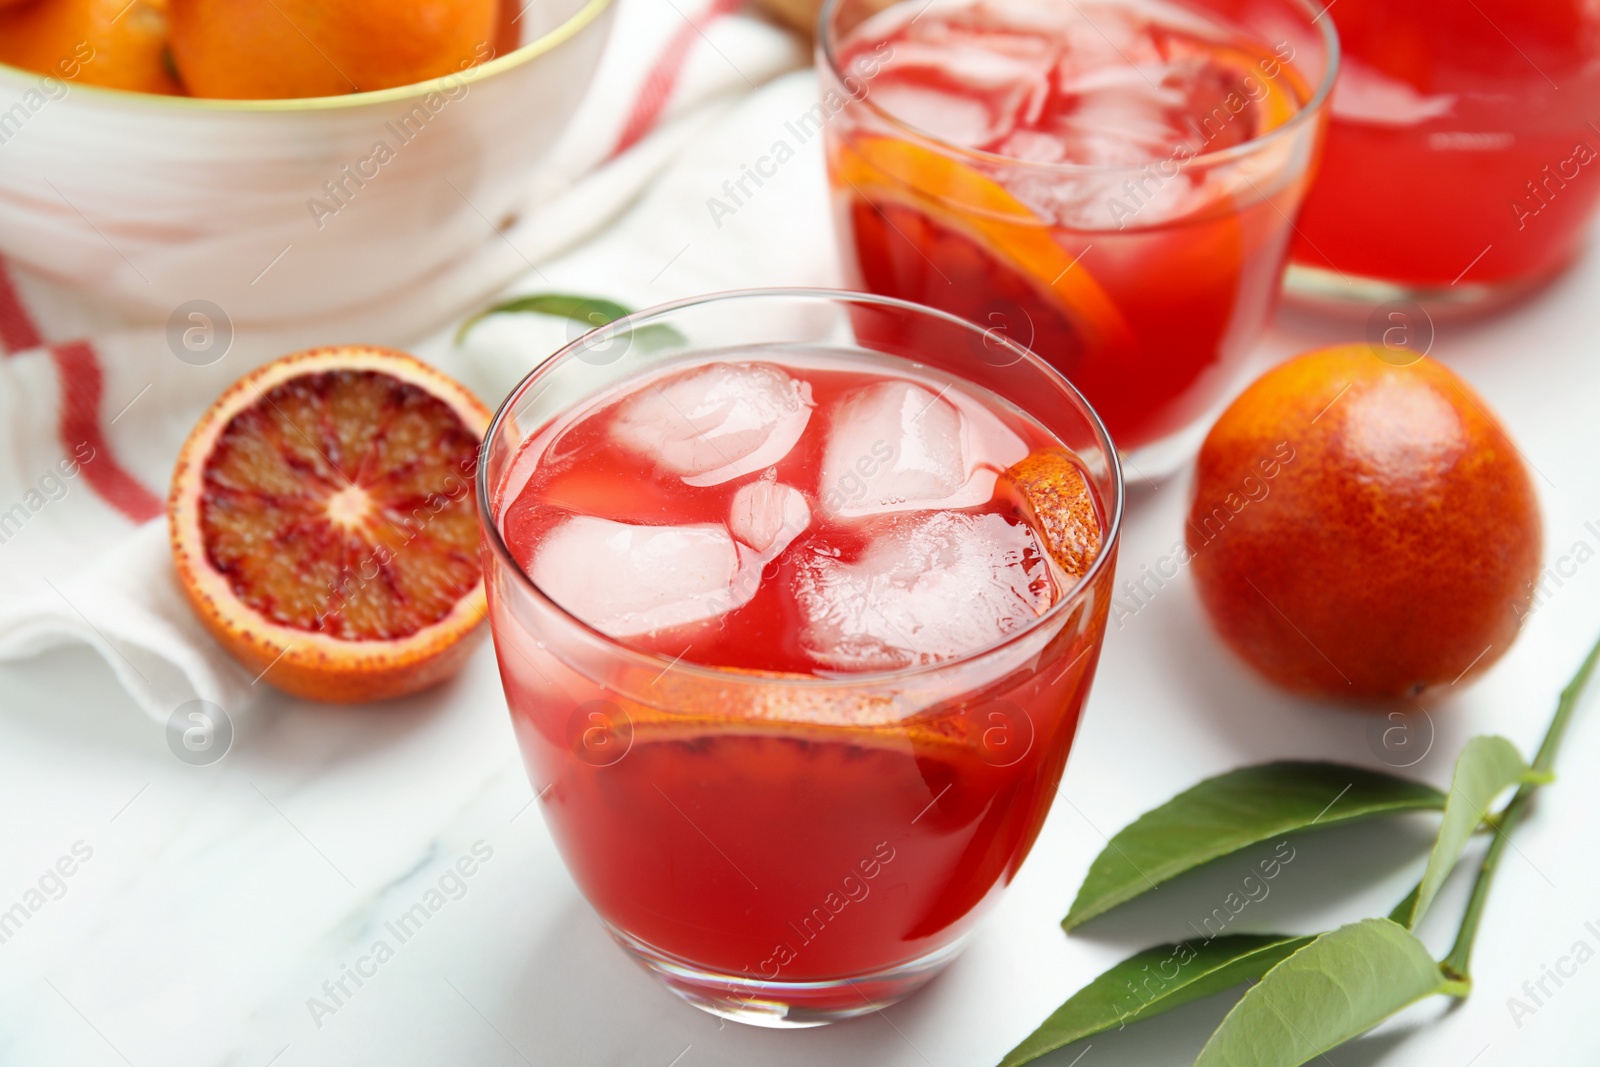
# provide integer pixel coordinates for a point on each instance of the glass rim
(660, 663)
(826, 48)
(525, 53)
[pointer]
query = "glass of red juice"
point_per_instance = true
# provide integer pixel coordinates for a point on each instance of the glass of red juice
(795, 622)
(1462, 165)
(1111, 183)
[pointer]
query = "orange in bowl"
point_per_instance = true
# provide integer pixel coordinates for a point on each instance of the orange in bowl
(1363, 530)
(323, 523)
(276, 49)
(118, 44)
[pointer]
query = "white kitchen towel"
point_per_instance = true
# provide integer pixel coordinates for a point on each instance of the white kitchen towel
(641, 203)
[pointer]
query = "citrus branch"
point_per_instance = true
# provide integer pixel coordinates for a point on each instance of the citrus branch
(1456, 965)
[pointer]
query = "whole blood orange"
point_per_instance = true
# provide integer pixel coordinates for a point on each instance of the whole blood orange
(1361, 529)
(119, 44)
(323, 523)
(263, 49)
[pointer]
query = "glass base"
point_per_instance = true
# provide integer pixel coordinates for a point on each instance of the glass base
(787, 1005)
(1333, 292)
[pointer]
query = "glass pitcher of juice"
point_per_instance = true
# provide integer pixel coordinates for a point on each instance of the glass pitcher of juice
(1462, 162)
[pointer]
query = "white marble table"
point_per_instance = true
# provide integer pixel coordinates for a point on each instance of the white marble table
(208, 907)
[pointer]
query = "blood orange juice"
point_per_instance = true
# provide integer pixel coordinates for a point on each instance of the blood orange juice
(795, 633)
(1461, 156)
(1111, 183)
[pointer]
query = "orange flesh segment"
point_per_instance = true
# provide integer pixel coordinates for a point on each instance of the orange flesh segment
(961, 199)
(341, 503)
(1052, 492)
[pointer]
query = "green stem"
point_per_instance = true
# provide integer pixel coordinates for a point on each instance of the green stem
(1456, 965)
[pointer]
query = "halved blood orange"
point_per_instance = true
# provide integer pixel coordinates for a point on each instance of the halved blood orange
(975, 206)
(323, 523)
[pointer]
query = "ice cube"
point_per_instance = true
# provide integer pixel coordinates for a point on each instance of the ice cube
(896, 446)
(975, 63)
(1366, 94)
(715, 423)
(969, 89)
(1047, 20)
(891, 443)
(767, 515)
(954, 117)
(1033, 146)
(626, 580)
(927, 588)
(1110, 199)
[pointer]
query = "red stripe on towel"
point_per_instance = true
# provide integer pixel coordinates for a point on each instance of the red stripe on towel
(82, 385)
(17, 331)
(663, 77)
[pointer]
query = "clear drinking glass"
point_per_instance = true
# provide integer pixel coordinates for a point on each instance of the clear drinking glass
(1144, 274)
(787, 849)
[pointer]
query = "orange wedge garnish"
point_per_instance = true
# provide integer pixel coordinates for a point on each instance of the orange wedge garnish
(323, 523)
(1050, 489)
(968, 203)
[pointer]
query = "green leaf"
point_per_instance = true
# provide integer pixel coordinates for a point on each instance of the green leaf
(1119, 996)
(1341, 985)
(1486, 767)
(592, 311)
(1234, 810)
(658, 335)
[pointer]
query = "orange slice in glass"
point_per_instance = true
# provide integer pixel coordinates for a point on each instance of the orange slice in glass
(324, 525)
(968, 203)
(1051, 491)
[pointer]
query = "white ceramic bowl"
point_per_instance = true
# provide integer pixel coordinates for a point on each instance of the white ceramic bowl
(282, 209)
